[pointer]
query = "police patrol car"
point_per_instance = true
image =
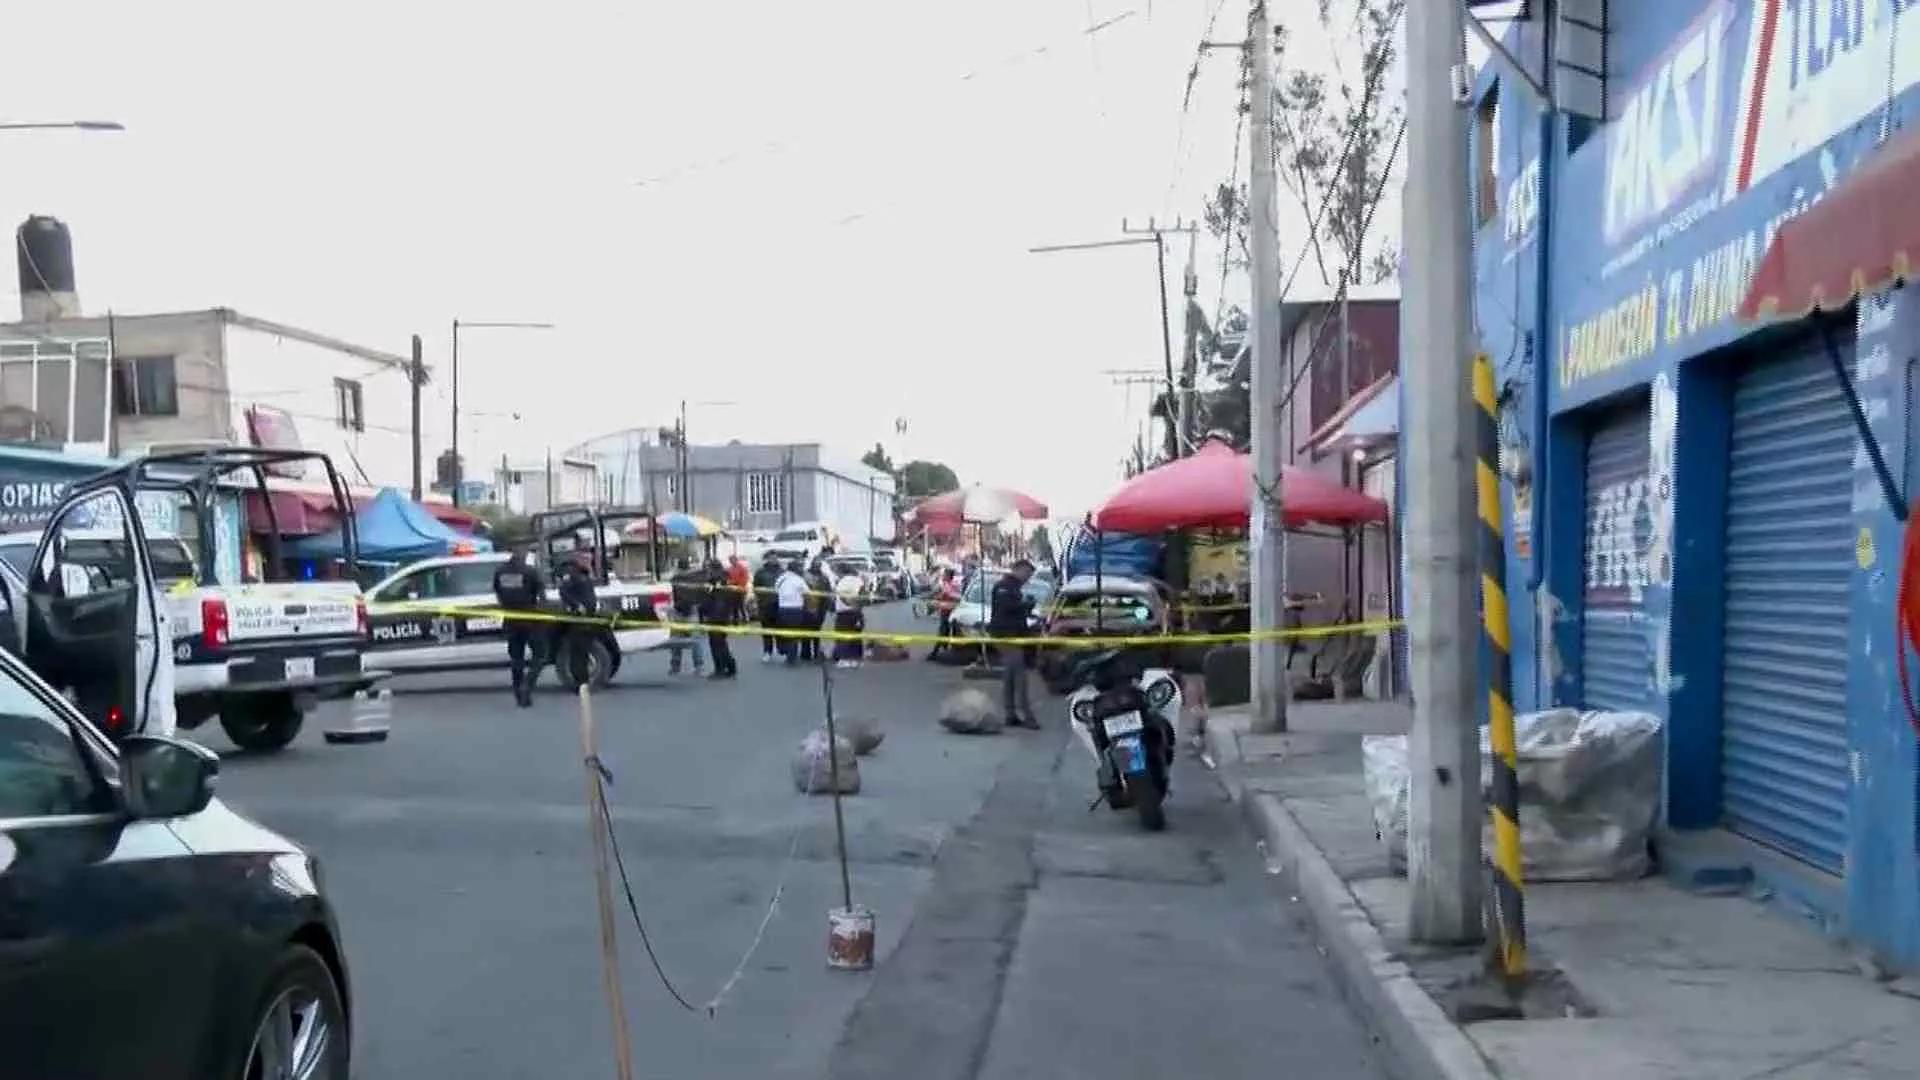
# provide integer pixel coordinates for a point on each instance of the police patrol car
(255, 654)
(416, 624)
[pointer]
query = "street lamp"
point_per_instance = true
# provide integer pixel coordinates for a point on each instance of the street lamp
(61, 125)
(458, 472)
(686, 495)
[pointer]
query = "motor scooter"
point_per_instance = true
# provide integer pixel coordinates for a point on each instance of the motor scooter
(1123, 713)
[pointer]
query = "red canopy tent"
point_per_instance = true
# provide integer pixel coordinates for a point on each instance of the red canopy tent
(1859, 238)
(1213, 488)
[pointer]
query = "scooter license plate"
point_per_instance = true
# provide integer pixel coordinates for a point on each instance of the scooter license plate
(1122, 724)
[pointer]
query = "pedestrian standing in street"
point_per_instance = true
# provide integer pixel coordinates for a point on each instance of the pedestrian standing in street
(1008, 618)
(767, 603)
(739, 580)
(690, 588)
(577, 596)
(848, 618)
(790, 593)
(820, 587)
(518, 587)
(946, 596)
(719, 613)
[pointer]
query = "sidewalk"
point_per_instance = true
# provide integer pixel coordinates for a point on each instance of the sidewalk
(1669, 984)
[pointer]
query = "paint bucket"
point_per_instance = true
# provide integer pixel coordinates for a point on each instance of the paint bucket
(850, 939)
(369, 718)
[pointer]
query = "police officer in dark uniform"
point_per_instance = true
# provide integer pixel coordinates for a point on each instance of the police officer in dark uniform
(579, 599)
(518, 586)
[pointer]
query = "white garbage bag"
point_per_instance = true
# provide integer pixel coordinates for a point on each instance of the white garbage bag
(1589, 792)
(968, 711)
(814, 773)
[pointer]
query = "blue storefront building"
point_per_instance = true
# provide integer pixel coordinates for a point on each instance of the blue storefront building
(1697, 527)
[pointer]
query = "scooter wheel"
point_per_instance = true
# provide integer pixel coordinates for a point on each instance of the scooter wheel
(1149, 800)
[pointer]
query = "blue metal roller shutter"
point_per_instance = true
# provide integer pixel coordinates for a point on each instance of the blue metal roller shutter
(1615, 664)
(1788, 566)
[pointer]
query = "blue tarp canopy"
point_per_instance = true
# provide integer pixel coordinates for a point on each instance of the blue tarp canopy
(1120, 554)
(392, 528)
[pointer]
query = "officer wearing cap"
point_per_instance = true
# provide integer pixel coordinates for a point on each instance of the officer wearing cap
(518, 586)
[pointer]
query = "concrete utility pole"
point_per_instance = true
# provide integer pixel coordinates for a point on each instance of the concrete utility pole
(417, 375)
(1443, 842)
(1267, 544)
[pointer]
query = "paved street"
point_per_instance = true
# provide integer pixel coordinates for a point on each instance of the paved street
(1044, 941)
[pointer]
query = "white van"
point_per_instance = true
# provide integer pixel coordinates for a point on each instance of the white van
(803, 540)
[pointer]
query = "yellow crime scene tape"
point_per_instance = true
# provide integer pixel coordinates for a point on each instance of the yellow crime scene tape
(616, 622)
(767, 591)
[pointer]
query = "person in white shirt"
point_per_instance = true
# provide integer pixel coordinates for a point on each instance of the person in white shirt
(790, 592)
(848, 618)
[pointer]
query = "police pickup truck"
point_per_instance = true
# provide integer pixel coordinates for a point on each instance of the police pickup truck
(417, 624)
(256, 654)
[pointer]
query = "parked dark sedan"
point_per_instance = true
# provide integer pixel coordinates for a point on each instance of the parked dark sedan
(145, 929)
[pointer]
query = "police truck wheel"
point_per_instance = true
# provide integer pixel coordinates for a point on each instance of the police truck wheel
(599, 666)
(263, 723)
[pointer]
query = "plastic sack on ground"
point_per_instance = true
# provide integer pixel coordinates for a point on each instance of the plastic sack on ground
(1589, 792)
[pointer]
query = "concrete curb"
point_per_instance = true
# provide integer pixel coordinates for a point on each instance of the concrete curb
(1426, 1045)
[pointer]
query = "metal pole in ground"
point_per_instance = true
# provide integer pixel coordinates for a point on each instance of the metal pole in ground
(833, 777)
(603, 888)
(455, 419)
(1506, 882)
(1267, 539)
(1444, 816)
(849, 928)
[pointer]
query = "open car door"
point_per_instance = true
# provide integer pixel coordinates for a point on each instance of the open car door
(94, 627)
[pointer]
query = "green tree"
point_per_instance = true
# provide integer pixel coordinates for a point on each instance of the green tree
(877, 458)
(1313, 123)
(919, 479)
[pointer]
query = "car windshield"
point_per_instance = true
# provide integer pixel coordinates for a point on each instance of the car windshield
(1106, 606)
(1036, 589)
(168, 555)
(886, 561)
(848, 566)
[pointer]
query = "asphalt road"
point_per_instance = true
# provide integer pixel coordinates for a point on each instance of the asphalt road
(1044, 941)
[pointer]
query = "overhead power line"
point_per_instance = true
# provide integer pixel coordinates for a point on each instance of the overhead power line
(1346, 279)
(744, 151)
(1186, 104)
(1377, 65)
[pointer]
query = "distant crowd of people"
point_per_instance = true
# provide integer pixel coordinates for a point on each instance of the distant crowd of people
(793, 595)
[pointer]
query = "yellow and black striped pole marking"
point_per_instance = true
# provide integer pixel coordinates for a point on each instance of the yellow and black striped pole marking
(1508, 891)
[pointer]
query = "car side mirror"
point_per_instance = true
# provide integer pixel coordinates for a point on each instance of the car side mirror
(164, 777)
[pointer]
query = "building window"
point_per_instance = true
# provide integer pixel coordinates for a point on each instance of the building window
(346, 405)
(144, 386)
(763, 493)
(673, 489)
(1486, 142)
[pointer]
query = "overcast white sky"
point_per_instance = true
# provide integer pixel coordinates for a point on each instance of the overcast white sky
(375, 169)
